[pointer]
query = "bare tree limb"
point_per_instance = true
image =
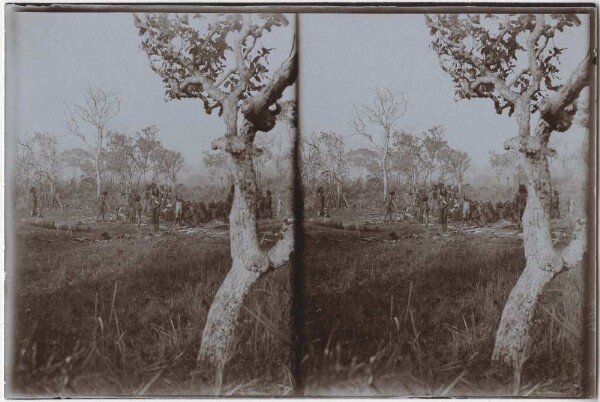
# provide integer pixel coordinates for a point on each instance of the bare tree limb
(254, 108)
(554, 109)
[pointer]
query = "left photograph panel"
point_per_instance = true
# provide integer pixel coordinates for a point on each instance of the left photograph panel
(149, 217)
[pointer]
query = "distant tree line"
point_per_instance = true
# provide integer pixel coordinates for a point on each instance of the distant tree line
(108, 160)
(413, 160)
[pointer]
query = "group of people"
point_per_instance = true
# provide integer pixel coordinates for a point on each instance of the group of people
(441, 199)
(446, 202)
(161, 203)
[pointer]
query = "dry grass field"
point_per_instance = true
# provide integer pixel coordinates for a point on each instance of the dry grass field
(399, 311)
(417, 315)
(124, 316)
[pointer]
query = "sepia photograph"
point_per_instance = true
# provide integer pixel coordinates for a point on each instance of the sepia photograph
(445, 162)
(151, 179)
(307, 201)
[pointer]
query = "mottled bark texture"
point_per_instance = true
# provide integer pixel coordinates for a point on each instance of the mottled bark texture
(249, 261)
(222, 63)
(514, 64)
(544, 261)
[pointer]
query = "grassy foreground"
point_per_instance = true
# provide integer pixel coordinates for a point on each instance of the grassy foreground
(124, 316)
(414, 316)
(418, 316)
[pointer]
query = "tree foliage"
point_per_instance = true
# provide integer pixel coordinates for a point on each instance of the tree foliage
(513, 60)
(485, 55)
(367, 159)
(427, 157)
(507, 166)
(39, 163)
(196, 58)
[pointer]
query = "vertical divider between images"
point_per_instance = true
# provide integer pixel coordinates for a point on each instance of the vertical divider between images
(297, 260)
(590, 267)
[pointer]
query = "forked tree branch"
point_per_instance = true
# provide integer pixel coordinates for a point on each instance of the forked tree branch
(553, 108)
(285, 76)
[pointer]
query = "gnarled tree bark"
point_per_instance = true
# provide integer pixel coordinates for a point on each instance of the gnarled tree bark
(544, 261)
(249, 262)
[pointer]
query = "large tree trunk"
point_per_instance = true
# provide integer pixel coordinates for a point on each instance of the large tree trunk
(544, 262)
(249, 262)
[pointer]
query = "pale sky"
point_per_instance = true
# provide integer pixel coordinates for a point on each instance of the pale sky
(344, 57)
(52, 58)
(55, 57)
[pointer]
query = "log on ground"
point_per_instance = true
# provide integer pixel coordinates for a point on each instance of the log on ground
(348, 225)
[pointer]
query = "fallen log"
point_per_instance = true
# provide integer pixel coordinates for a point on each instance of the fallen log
(40, 222)
(62, 225)
(72, 226)
(346, 225)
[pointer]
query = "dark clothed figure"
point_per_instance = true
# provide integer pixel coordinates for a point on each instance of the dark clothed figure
(102, 205)
(442, 206)
(155, 208)
(321, 201)
(34, 202)
(423, 203)
(389, 206)
(520, 203)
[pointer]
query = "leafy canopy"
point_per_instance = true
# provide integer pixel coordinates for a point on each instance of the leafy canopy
(208, 57)
(500, 57)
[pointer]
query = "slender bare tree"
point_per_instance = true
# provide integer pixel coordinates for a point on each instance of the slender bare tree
(217, 60)
(513, 60)
(384, 110)
(98, 109)
(39, 161)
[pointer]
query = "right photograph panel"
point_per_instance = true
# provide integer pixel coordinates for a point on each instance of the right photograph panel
(448, 175)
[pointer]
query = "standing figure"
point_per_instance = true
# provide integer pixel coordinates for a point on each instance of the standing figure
(466, 209)
(268, 205)
(155, 208)
(321, 201)
(423, 202)
(131, 206)
(500, 210)
(389, 206)
(34, 202)
(450, 192)
(146, 200)
(178, 210)
(136, 207)
(442, 205)
(520, 202)
(435, 193)
(555, 206)
(102, 205)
